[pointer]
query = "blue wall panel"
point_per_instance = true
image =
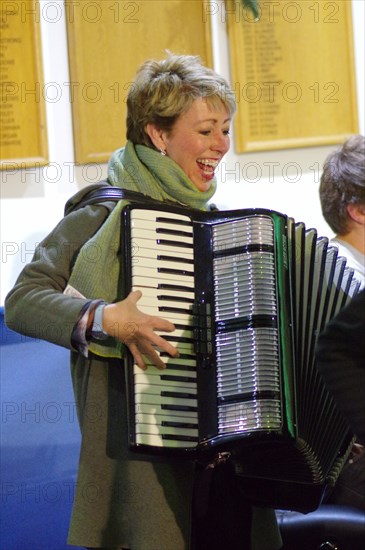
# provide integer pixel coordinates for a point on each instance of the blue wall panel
(40, 443)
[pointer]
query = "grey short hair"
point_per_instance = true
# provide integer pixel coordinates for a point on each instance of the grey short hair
(163, 90)
(343, 182)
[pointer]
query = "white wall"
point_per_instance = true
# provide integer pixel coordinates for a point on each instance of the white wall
(32, 200)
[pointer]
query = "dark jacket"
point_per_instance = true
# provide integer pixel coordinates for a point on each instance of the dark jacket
(341, 361)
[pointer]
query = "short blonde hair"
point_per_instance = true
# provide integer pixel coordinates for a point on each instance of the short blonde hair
(163, 90)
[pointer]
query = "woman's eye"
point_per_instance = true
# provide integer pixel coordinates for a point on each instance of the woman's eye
(209, 132)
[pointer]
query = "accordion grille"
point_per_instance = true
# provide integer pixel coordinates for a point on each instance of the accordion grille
(248, 371)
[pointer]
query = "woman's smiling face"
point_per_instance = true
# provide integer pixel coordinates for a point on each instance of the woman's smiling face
(198, 140)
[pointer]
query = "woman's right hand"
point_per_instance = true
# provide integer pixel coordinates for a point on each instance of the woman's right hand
(125, 322)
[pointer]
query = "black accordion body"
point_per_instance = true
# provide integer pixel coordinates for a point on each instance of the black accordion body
(248, 292)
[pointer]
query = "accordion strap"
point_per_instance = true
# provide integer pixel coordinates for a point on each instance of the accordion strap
(107, 192)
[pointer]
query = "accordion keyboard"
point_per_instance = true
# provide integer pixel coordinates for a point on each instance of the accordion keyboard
(163, 269)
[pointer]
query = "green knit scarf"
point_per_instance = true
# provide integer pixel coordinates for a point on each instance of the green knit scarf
(137, 168)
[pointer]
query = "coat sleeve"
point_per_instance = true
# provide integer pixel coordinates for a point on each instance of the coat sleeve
(340, 357)
(36, 306)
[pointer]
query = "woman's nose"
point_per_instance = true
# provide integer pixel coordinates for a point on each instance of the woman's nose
(220, 142)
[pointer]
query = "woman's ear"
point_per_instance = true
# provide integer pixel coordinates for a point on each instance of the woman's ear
(157, 136)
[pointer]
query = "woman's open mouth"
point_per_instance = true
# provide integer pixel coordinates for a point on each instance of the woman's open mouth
(207, 167)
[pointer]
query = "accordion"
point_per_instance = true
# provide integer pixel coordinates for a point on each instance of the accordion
(248, 292)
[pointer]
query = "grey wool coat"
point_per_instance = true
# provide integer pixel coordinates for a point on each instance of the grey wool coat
(122, 499)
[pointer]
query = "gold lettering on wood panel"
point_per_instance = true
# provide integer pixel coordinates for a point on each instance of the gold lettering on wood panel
(23, 140)
(293, 73)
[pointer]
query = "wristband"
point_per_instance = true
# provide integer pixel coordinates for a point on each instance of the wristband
(97, 331)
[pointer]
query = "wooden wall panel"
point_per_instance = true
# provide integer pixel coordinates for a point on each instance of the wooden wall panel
(293, 73)
(23, 136)
(108, 41)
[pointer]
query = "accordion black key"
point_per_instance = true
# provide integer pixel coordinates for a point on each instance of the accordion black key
(248, 292)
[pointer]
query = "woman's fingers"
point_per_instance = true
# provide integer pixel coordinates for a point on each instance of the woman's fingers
(138, 359)
(164, 345)
(162, 324)
(139, 331)
(134, 296)
(149, 352)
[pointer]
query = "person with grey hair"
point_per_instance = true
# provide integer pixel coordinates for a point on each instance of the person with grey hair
(178, 122)
(342, 196)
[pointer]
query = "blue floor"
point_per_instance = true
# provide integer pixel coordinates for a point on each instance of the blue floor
(39, 444)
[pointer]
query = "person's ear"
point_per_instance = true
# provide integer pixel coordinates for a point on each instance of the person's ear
(357, 213)
(157, 136)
